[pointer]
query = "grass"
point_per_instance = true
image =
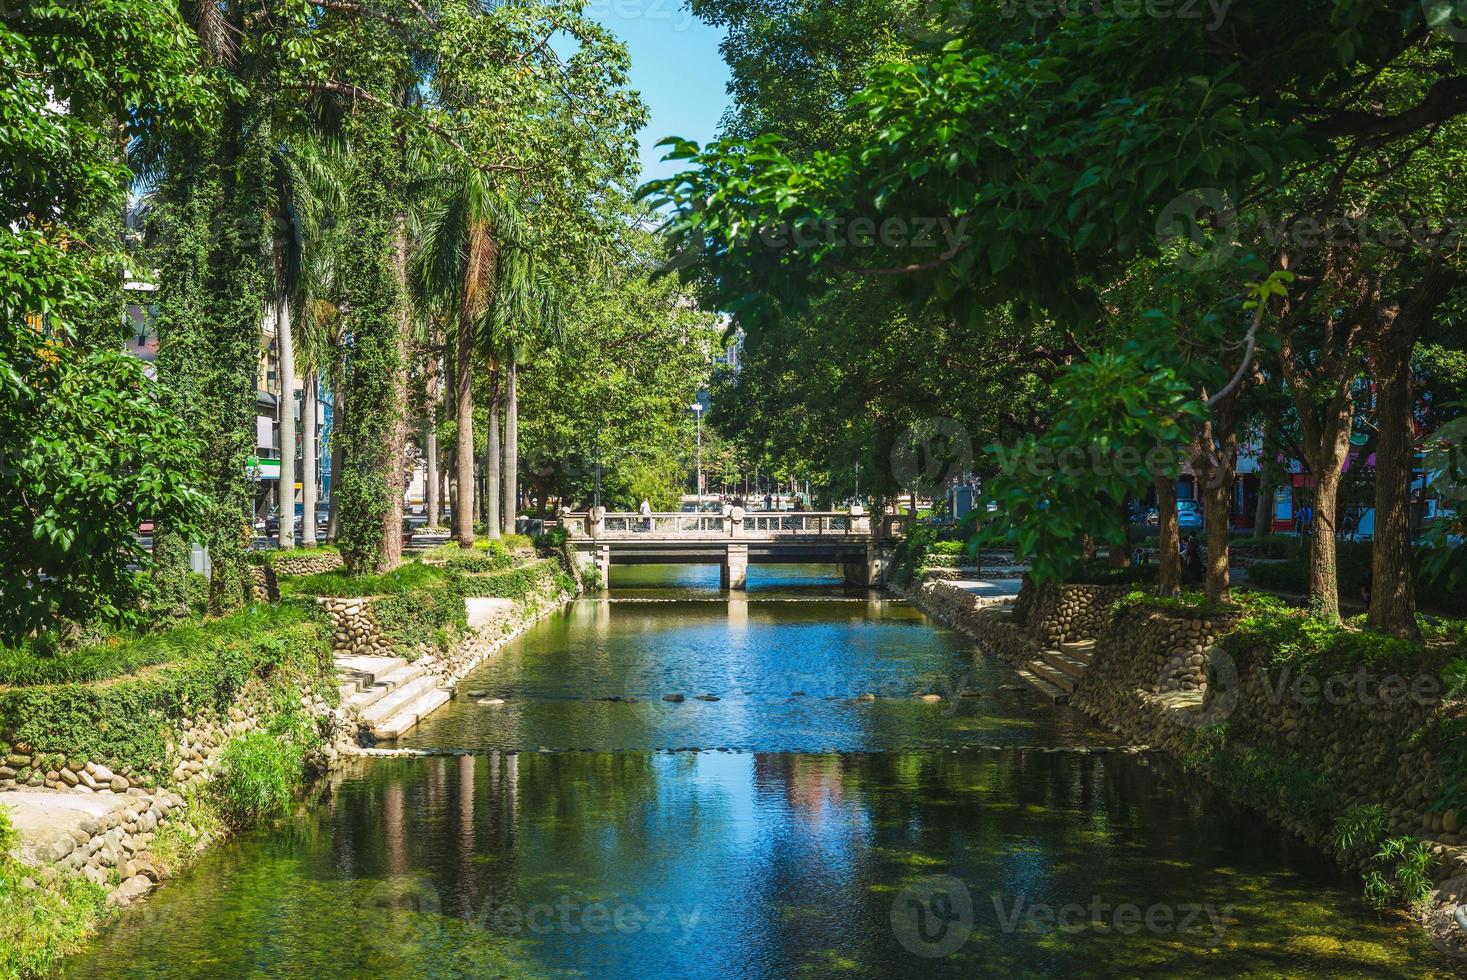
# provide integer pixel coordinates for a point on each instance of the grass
(259, 772)
(42, 917)
(123, 655)
(405, 578)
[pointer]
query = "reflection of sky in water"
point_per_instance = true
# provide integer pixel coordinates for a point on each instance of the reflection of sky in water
(790, 864)
(786, 670)
(759, 863)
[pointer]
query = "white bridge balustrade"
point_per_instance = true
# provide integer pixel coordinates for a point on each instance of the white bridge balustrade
(734, 538)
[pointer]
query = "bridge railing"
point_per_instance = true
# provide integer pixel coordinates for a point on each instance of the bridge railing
(733, 523)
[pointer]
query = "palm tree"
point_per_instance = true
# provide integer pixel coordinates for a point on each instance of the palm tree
(528, 316)
(305, 185)
(458, 269)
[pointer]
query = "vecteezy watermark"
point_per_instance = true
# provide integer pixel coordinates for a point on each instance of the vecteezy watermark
(927, 454)
(1126, 918)
(1130, 462)
(1362, 687)
(941, 20)
(406, 911)
(942, 235)
(1446, 17)
(1211, 12)
(1213, 228)
(933, 916)
(679, 14)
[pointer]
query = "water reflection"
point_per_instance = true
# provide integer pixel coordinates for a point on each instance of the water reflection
(756, 865)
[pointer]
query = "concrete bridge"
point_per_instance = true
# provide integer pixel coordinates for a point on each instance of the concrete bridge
(734, 539)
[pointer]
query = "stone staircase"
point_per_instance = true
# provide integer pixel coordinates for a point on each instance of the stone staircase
(1056, 674)
(388, 694)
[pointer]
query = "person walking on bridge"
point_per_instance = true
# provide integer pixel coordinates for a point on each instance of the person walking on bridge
(646, 511)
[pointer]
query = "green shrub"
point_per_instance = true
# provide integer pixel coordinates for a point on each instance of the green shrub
(1098, 571)
(119, 656)
(432, 613)
(1271, 634)
(516, 583)
(8, 836)
(42, 923)
(405, 578)
(257, 777)
(127, 723)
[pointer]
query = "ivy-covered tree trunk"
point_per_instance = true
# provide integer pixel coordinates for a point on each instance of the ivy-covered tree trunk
(1393, 589)
(492, 460)
(398, 431)
(239, 271)
(310, 467)
(372, 301)
(184, 313)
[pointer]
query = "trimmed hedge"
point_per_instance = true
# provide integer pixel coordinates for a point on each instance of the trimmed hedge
(127, 723)
(1352, 561)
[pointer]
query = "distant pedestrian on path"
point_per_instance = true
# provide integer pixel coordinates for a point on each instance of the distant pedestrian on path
(1192, 560)
(768, 502)
(646, 511)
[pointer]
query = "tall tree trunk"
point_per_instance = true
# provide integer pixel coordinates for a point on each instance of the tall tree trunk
(1267, 486)
(463, 402)
(492, 461)
(397, 432)
(1120, 548)
(338, 461)
(1393, 589)
(1324, 569)
(285, 343)
(1169, 536)
(1393, 592)
(510, 503)
(430, 478)
(309, 468)
(1216, 496)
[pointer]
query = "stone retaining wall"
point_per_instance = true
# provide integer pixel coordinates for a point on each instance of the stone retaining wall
(354, 630)
(1160, 679)
(1063, 613)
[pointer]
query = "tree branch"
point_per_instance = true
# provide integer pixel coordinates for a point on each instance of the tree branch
(1445, 100)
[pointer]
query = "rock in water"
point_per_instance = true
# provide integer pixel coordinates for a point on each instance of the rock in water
(868, 696)
(491, 701)
(708, 697)
(797, 694)
(674, 698)
(970, 692)
(931, 697)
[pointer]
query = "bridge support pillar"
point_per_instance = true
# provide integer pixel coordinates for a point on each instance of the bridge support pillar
(603, 565)
(863, 570)
(734, 574)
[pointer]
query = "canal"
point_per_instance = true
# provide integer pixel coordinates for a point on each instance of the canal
(771, 823)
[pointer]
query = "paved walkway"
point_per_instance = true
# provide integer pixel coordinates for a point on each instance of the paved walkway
(989, 587)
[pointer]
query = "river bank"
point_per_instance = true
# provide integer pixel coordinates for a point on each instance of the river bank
(112, 785)
(1358, 759)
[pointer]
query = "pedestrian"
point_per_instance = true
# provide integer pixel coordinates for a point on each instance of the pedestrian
(768, 501)
(645, 509)
(1193, 560)
(1367, 582)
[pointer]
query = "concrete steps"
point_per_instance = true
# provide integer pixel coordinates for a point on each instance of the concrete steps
(389, 694)
(1057, 674)
(1043, 687)
(411, 713)
(404, 699)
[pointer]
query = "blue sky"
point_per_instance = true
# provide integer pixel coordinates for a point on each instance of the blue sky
(677, 68)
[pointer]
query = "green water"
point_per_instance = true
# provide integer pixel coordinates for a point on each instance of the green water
(974, 836)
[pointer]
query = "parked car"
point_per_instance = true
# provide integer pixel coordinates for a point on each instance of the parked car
(1189, 515)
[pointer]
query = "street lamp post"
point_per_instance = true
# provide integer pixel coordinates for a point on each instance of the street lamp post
(697, 408)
